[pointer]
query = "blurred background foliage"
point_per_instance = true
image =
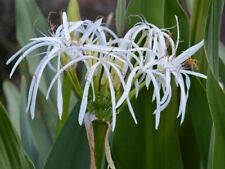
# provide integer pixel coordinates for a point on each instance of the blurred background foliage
(48, 143)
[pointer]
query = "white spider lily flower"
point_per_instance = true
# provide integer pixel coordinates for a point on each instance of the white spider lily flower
(176, 66)
(107, 66)
(153, 42)
(76, 35)
(155, 64)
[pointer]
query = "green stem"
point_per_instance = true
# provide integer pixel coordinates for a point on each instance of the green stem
(98, 139)
(100, 129)
(71, 73)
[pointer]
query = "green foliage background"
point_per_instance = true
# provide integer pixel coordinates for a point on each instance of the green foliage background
(48, 143)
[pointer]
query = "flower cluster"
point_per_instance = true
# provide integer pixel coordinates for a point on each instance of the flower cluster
(115, 68)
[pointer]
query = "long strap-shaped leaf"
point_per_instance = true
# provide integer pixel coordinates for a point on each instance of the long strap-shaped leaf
(212, 35)
(70, 150)
(216, 100)
(12, 154)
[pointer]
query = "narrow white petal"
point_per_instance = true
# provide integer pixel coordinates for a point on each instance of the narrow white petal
(50, 40)
(168, 87)
(157, 95)
(128, 87)
(188, 53)
(136, 84)
(91, 29)
(172, 44)
(20, 51)
(59, 98)
(30, 93)
(162, 44)
(166, 103)
(66, 27)
(113, 98)
(183, 99)
(38, 74)
(147, 81)
(178, 32)
(101, 35)
(59, 92)
(194, 73)
(26, 53)
(83, 105)
(110, 32)
(187, 81)
(131, 110)
(75, 25)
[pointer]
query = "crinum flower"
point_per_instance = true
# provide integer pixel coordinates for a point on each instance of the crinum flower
(103, 71)
(177, 67)
(70, 41)
(151, 45)
(95, 47)
(156, 63)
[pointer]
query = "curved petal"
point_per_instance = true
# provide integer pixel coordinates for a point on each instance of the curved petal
(83, 105)
(128, 87)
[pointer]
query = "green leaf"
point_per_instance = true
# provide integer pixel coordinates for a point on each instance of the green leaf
(29, 20)
(72, 142)
(142, 146)
(13, 104)
(200, 10)
(66, 102)
(216, 99)
(212, 35)
(11, 152)
(31, 23)
(73, 10)
(222, 76)
(189, 5)
(198, 20)
(222, 52)
(188, 144)
(33, 133)
(215, 94)
(199, 109)
(27, 134)
(120, 17)
(152, 10)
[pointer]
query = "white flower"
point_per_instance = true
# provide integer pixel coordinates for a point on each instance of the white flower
(102, 60)
(151, 45)
(71, 39)
(155, 64)
(113, 65)
(177, 67)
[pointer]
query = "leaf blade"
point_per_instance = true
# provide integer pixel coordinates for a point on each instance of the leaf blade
(11, 151)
